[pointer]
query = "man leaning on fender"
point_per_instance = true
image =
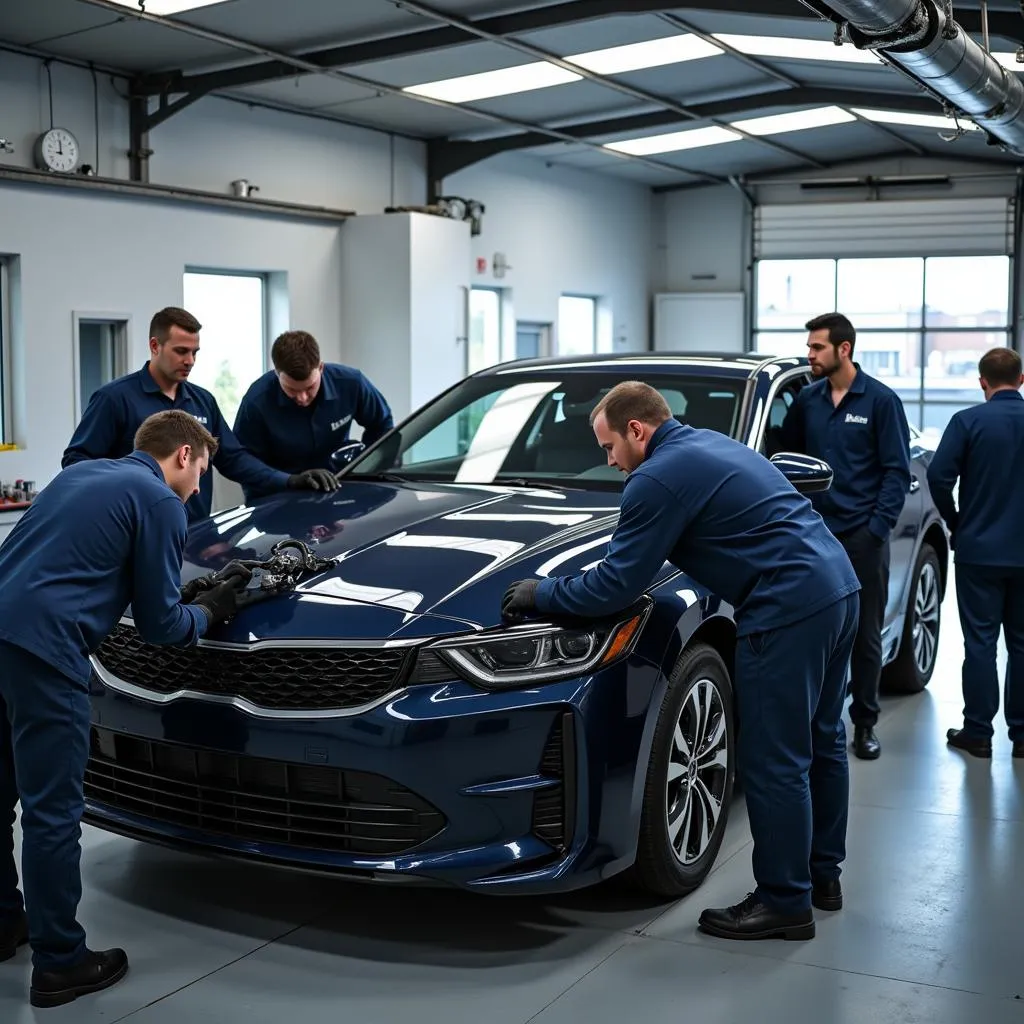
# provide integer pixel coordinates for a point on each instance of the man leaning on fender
(105, 533)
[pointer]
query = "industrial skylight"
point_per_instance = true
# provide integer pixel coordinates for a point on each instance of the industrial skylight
(165, 7)
(615, 60)
(939, 121)
(797, 49)
(697, 138)
(672, 142)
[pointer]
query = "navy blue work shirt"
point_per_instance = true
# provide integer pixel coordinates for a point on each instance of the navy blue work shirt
(292, 438)
(100, 536)
(984, 447)
(116, 411)
(866, 441)
(724, 515)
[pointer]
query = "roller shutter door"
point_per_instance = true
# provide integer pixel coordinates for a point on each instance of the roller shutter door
(922, 227)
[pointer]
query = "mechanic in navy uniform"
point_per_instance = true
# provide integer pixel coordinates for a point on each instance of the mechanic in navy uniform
(857, 425)
(724, 515)
(983, 447)
(102, 535)
(117, 409)
(300, 412)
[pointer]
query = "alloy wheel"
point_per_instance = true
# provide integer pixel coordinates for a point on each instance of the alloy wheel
(698, 772)
(926, 618)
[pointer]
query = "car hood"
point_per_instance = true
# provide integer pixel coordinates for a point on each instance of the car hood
(412, 560)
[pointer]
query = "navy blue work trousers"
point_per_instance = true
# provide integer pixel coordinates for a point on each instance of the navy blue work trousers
(790, 694)
(990, 597)
(44, 746)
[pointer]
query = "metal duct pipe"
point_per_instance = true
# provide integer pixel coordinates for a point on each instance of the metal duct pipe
(921, 38)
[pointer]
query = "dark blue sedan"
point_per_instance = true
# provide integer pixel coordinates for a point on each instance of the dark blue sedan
(376, 720)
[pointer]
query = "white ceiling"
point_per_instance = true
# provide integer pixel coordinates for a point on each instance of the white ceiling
(222, 35)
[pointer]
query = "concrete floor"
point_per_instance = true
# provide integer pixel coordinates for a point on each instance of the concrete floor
(931, 929)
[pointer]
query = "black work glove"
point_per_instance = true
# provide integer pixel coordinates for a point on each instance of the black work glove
(191, 590)
(234, 570)
(220, 602)
(313, 480)
(519, 601)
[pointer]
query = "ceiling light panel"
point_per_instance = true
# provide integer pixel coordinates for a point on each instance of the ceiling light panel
(654, 53)
(912, 120)
(797, 121)
(524, 78)
(798, 49)
(615, 60)
(1009, 61)
(165, 7)
(674, 142)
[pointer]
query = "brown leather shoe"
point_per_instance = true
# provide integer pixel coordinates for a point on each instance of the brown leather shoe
(969, 744)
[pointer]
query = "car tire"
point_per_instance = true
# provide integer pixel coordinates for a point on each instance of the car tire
(911, 670)
(674, 855)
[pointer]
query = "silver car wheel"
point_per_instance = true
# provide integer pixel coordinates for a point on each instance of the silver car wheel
(926, 619)
(698, 769)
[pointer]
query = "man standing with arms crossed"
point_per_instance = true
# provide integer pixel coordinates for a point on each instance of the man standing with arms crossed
(857, 425)
(728, 518)
(102, 535)
(984, 447)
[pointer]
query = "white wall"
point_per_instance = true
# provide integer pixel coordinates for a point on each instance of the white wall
(564, 231)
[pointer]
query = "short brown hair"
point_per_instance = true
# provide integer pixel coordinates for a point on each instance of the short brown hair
(632, 400)
(838, 326)
(1000, 367)
(171, 316)
(295, 354)
(163, 433)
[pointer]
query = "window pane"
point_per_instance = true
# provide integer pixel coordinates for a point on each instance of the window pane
(892, 356)
(913, 411)
(936, 418)
(232, 342)
(484, 329)
(967, 291)
(784, 343)
(790, 292)
(577, 325)
(885, 293)
(951, 364)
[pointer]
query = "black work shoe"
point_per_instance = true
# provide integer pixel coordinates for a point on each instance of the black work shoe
(96, 972)
(827, 894)
(751, 919)
(13, 936)
(865, 743)
(977, 747)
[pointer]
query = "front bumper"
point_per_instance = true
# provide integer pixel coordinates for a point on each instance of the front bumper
(532, 790)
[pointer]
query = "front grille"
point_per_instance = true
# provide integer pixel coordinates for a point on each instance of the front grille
(310, 807)
(554, 807)
(276, 678)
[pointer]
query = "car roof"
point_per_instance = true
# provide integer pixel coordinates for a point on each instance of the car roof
(731, 364)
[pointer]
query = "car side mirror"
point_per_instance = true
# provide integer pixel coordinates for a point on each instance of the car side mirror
(807, 474)
(347, 453)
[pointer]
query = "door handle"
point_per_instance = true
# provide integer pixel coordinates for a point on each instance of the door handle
(915, 485)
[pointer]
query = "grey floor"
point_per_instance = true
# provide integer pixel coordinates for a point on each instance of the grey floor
(931, 930)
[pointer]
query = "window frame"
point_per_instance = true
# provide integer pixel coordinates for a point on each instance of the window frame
(264, 279)
(499, 293)
(6, 374)
(594, 301)
(122, 357)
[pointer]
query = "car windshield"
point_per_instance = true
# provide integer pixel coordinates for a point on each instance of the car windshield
(532, 428)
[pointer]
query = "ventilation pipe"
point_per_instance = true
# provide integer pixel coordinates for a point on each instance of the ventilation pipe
(921, 38)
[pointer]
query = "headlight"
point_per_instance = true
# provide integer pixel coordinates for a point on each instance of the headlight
(532, 655)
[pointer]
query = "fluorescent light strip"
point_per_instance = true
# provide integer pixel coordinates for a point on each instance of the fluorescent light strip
(912, 120)
(165, 7)
(696, 138)
(615, 60)
(797, 49)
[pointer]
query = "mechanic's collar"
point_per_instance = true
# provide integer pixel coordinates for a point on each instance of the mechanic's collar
(1006, 394)
(858, 386)
(667, 429)
(148, 461)
(150, 385)
(327, 392)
